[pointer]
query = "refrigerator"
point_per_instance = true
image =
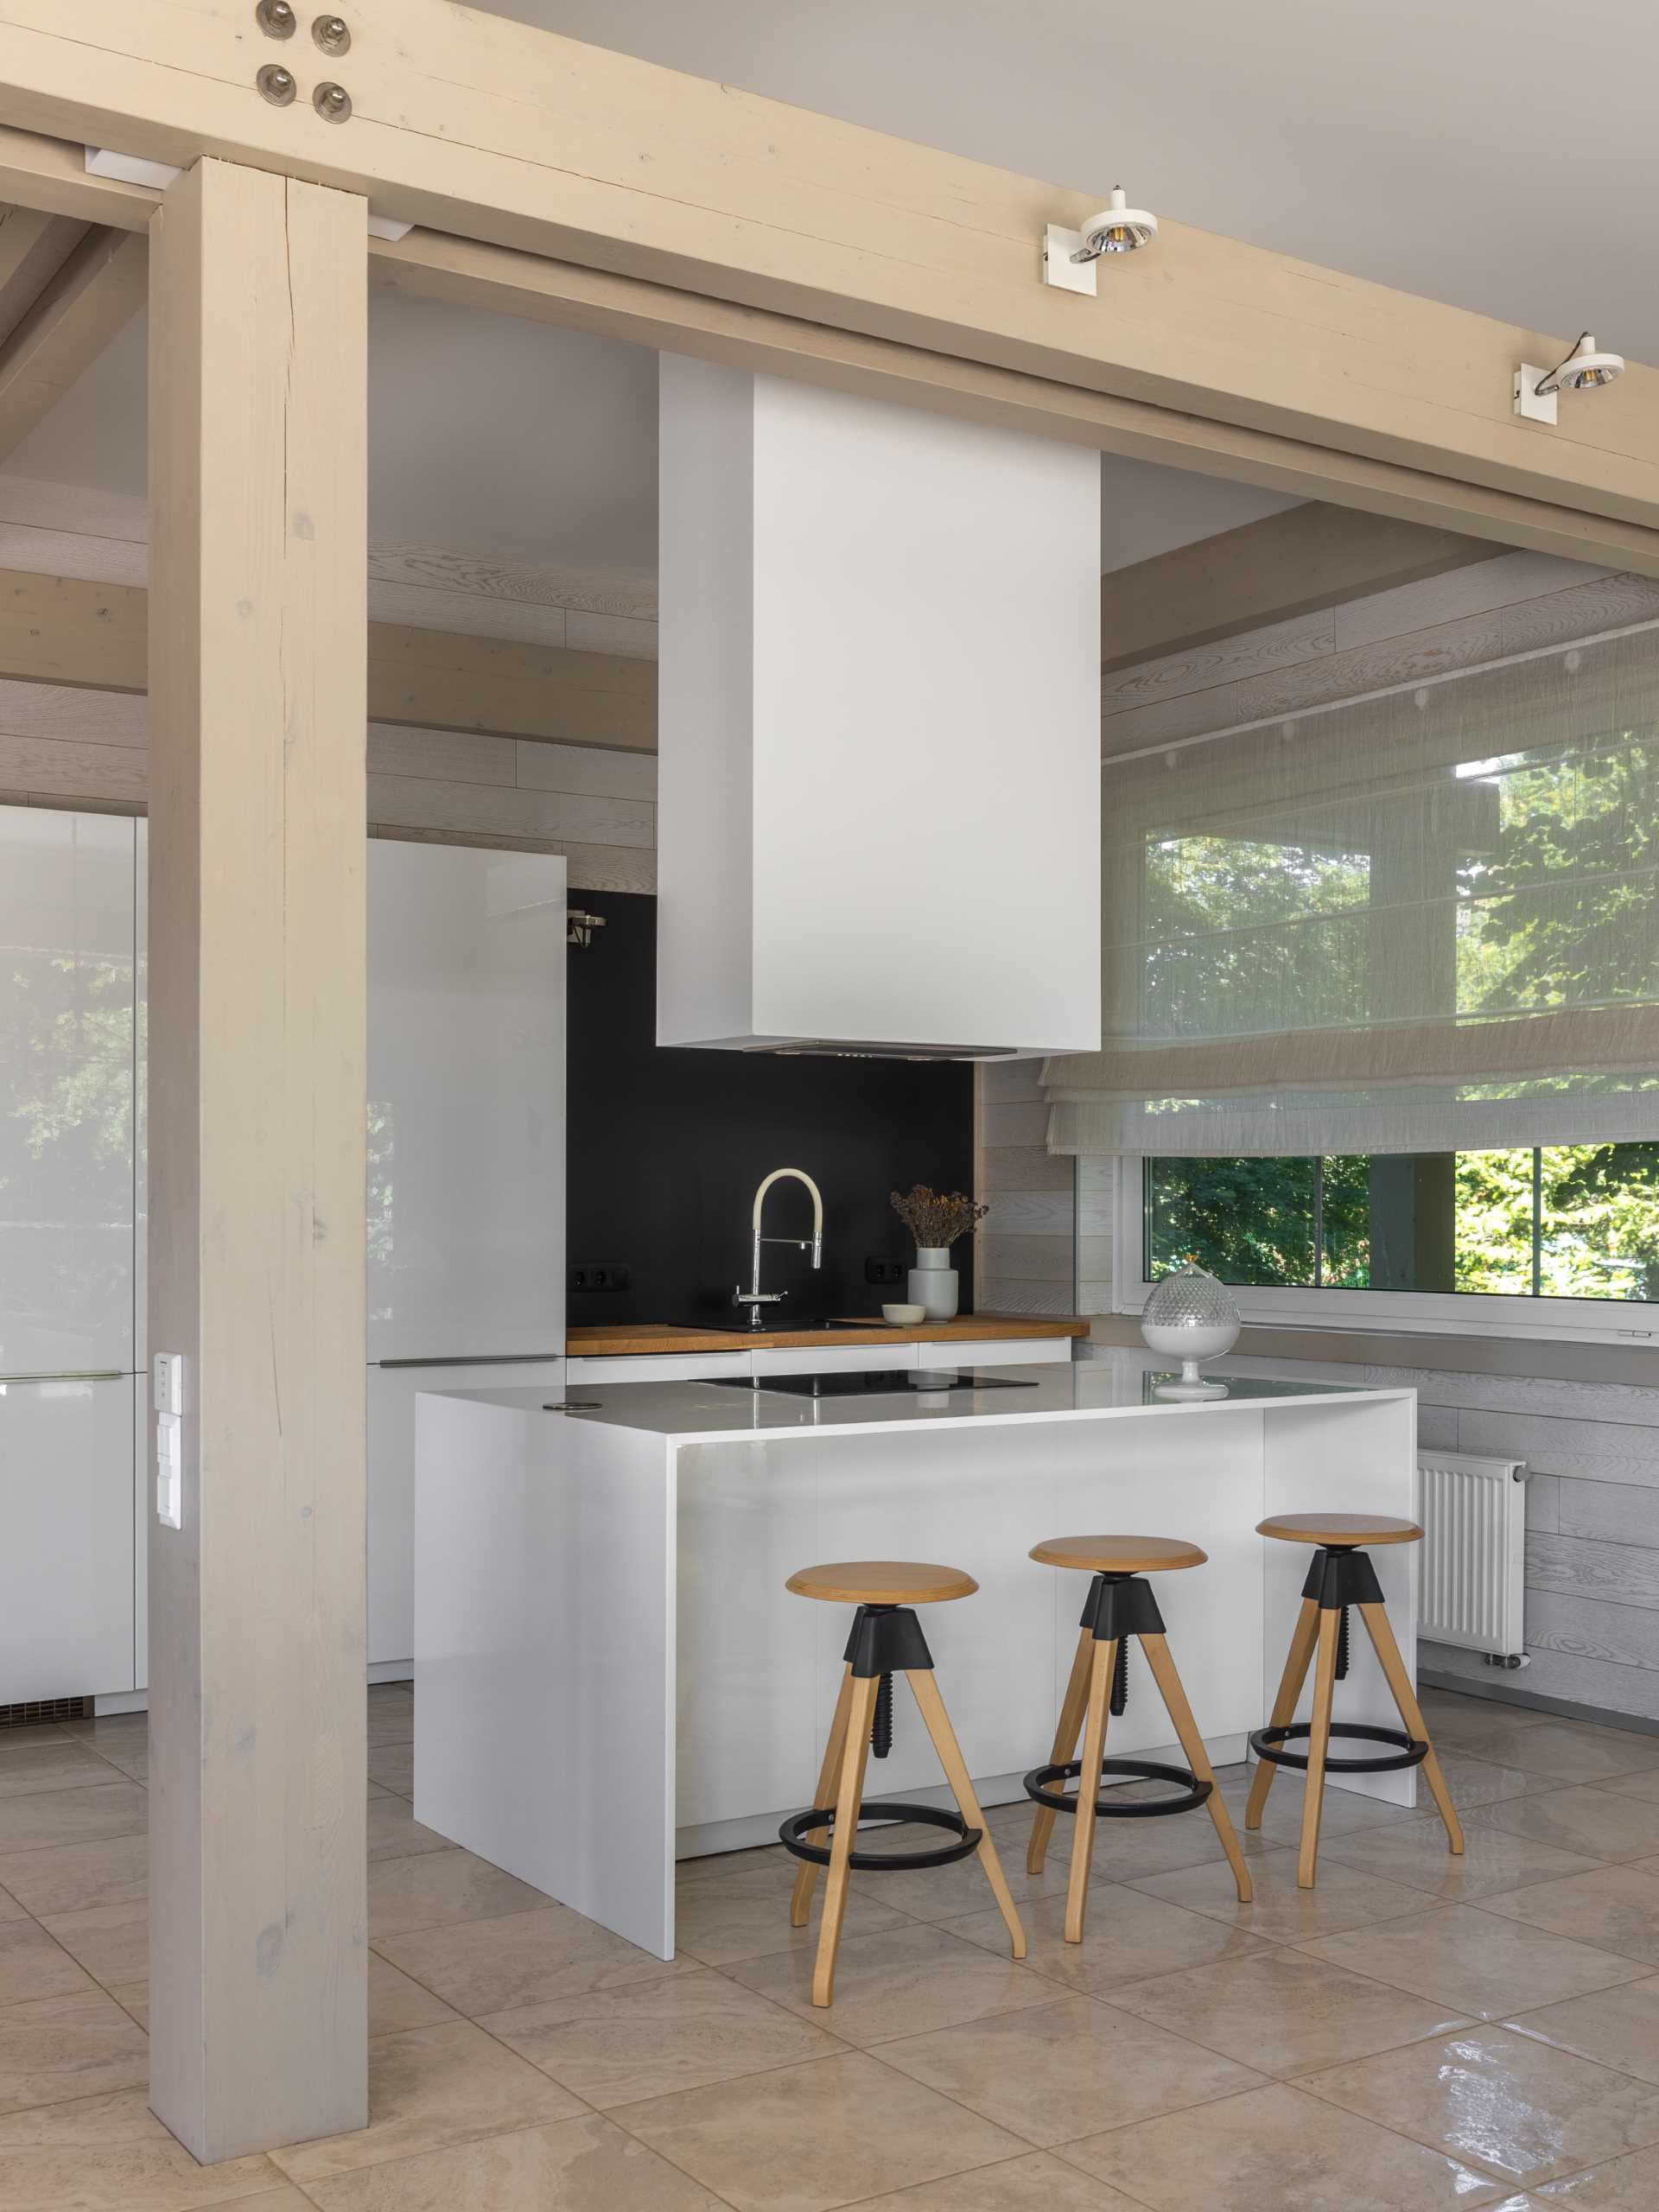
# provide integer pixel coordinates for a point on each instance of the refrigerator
(466, 1164)
(68, 1351)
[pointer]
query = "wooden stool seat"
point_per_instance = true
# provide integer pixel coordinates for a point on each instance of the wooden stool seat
(882, 1582)
(1341, 1578)
(887, 1639)
(1118, 1555)
(1338, 1529)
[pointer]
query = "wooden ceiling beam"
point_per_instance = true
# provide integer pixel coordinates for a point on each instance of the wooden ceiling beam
(1298, 562)
(96, 293)
(34, 247)
(488, 128)
(59, 630)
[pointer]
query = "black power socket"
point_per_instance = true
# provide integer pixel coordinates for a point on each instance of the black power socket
(608, 1275)
(886, 1274)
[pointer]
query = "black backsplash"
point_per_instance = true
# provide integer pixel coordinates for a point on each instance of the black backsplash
(666, 1145)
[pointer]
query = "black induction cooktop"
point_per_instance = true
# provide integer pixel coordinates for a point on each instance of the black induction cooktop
(876, 1382)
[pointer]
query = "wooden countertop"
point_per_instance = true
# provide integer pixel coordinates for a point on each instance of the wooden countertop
(622, 1338)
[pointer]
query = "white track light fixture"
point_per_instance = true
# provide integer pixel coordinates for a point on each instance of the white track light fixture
(1587, 368)
(1069, 256)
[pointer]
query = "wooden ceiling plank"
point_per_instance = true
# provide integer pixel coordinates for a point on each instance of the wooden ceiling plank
(94, 295)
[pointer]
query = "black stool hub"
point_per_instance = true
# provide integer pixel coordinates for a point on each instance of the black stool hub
(887, 1814)
(1042, 1787)
(1268, 1744)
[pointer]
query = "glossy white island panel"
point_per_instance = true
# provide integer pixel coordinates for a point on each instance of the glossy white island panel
(610, 1674)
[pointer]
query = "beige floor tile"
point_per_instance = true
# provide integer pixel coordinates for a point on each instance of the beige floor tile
(528, 1958)
(1280, 1911)
(1569, 1752)
(1283, 2012)
(393, 1722)
(1344, 1812)
(32, 1965)
(1474, 1782)
(1506, 2103)
(617, 2046)
(827, 2133)
(1036, 2183)
(1127, 1936)
(1617, 2027)
(1599, 1822)
(1626, 2185)
(397, 2001)
(743, 1912)
(60, 2047)
(903, 1982)
(1460, 1956)
(1634, 1785)
(133, 1997)
(428, 2089)
(394, 1832)
(1124, 1850)
(75, 1877)
(37, 1732)
(435, 1888)
(1416, 1852)
(1065, 2069)
(1614, 1907)
(577, 2166)
(1276, 2150)
(392, 1765)
(62, 1765)
(9, 1908)
(111, 2154)
(60, 1816)
(133, 1761)
(110, 1940)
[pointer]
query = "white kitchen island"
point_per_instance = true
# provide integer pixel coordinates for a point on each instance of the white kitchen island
(610, 1674)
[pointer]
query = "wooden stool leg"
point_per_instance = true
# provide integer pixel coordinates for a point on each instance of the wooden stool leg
(1319, 1743)
(937, 1723)
(1303, 1638)
(1387, 1651)
(1101, 1667)
(806, 1875)
(1066, 1742)
(1174, 1696)
(850, 1796)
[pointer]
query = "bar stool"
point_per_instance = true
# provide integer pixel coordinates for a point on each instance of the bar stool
(887, 1639)
(1120, 1605)
(1341, 1575)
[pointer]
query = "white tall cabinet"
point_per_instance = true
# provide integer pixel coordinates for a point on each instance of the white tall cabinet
(465, 1163)
(68, 1332)
(466, 1211)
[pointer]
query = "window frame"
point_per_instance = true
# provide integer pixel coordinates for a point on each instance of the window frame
(1395, 1312)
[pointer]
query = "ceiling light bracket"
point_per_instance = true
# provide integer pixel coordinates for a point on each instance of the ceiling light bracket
(1531, 404)
(1061, 267)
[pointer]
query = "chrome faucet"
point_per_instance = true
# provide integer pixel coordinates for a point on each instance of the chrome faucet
(754, 1298)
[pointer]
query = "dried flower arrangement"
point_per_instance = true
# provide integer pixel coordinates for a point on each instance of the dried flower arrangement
(935, 1219)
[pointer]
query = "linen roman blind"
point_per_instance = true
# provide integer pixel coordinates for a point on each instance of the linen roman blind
(1424, 920)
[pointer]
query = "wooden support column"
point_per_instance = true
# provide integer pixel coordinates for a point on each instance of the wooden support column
(258, 1988)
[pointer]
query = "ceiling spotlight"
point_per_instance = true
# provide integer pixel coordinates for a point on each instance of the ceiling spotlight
(1069, 256)
(1585, 369)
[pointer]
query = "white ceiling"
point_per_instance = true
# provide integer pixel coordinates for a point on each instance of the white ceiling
(1425, 146)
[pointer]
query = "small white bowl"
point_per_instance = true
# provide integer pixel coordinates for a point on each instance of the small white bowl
(905, 1317)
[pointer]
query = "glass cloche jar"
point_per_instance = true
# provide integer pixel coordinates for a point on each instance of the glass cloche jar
(1192, 1318)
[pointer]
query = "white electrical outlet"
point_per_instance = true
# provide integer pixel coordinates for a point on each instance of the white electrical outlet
(167, 1393)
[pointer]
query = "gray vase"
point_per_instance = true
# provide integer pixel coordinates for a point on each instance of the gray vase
(933, 1285)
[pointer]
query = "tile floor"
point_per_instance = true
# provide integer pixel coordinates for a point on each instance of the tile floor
(1418, 2033)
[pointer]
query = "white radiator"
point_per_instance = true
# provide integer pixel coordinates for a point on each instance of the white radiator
(1474, 1516)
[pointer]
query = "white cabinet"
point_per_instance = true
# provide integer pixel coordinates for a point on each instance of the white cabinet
(66, 1093)
(392, 1393)
(832, 1359)
(66, 1567)
(1007, 1351)
(465, 1103)
(650, 1367)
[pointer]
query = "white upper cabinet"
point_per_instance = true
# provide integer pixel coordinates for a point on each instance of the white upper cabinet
(466, 1102)
(66, 913)
(878, 773)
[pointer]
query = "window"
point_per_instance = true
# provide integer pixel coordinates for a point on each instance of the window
(1529, 1236)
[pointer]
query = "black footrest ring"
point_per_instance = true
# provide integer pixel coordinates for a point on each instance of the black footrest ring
(1268, 1744)
(1041, 1788)
(886, 1814)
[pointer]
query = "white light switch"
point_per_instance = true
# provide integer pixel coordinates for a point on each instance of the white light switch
(167, 1390)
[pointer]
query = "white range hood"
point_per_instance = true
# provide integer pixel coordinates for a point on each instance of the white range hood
(879, 817)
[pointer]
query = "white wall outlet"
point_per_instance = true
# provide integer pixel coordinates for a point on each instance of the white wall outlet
(167, 1393)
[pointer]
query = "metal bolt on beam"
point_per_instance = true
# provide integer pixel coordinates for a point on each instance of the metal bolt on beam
(332, 33)
(276, 85)
(333, 103)
(275, 18)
